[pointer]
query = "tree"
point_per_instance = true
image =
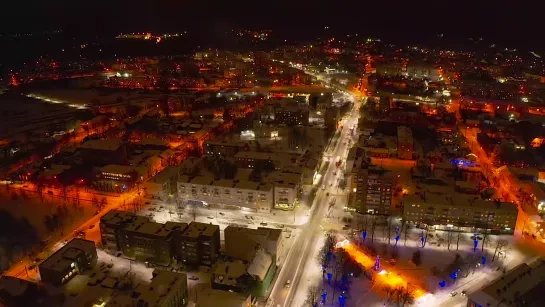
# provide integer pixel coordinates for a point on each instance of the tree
(193, 212)
(417, 258)
(406, 230)
(102, 203)
(94, 202)
(450, 236)
(313, 297)
(501, 246)
(389, 230)
(48, 221)
(373, 227)
(458, 237)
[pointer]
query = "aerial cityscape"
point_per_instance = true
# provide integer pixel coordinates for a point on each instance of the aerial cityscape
(236, 157)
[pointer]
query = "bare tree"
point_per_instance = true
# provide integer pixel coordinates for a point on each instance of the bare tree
(193, 212)
(501, 246)
(102, 203)
(425, 236)
(40, 190)
(389, 230)
(373, 227)
(64, 192)
(405, 229)
(313, 297)
(459, 234)
(450, 236)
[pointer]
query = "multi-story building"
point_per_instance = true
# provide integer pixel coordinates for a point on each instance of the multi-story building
(151, 242)
(423, 71)
(166, 289)
(521, 286)
(76, 256)
(268, 238)
(405, 145)
(111, 226)
(198, 244)
(139, 238)
(447, 211)
(286, 189)
(104, 152)
(291, 115)
(285, 111)
(205, 190)
(371, 191)
(100, 288)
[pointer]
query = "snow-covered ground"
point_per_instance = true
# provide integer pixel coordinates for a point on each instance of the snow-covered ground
(435, 258)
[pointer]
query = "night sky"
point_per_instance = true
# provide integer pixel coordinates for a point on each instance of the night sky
(506, 22)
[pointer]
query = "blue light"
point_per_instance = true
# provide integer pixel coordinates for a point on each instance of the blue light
(364, 234)
(397, 238)
(483, 260)
(329, 276)
(442, 284)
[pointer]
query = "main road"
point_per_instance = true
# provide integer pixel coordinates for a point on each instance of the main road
(301, 254)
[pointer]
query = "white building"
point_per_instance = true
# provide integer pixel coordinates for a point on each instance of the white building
(204, 190)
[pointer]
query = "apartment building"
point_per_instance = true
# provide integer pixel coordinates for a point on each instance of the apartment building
(198, 244)
(448, 211)
(241, 194)
(139, 238)
(371, 191)
(76, 256)
(150, 242)
(111, 226)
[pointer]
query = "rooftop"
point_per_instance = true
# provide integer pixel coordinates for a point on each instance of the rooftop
(65, 256)
(210, 297)
(518, 286)
(459, 200)
(118, 169)
(196, 229)
(108, 144)
(117, 217)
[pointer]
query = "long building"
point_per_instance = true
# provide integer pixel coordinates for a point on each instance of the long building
(278, 190)
(521, 286)
(453, 211)
(139, 238)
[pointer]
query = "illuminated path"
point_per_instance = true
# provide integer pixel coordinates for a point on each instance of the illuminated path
(389, 278)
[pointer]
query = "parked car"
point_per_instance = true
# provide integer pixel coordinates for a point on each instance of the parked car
(453, 293)
(287, 284)
(92, 226)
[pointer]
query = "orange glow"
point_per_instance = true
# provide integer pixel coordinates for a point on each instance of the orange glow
(537, 142)
(387, 276)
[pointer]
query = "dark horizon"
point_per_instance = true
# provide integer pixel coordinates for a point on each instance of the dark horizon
(512, 26)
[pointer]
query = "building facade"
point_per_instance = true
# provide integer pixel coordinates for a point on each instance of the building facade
(198, 244)
(76, 256)
(463, 213)
(371, 192)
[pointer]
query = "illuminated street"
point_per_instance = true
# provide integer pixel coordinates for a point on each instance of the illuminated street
(300, 258)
